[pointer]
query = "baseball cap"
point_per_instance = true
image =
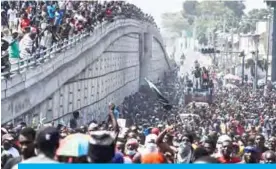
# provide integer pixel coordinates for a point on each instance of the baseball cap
(251, 149)
(47, 136)
(155, 131)
(93, 127)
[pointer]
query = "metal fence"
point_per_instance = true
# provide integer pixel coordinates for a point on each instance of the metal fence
(41, 56)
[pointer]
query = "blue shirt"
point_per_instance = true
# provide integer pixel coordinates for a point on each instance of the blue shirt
(116, 113)
(51, 11)
(118, 158)
(58, 19)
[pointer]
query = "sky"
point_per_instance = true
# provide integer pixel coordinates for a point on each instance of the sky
(157, 7)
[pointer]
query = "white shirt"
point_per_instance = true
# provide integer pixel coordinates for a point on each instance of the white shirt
(25, 43)
(12, 15)
(12, 151)
(46, 39)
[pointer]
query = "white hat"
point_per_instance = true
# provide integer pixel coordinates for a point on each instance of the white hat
(151, 138)
(224, 138)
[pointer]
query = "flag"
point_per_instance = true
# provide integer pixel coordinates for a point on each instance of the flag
(160, 96)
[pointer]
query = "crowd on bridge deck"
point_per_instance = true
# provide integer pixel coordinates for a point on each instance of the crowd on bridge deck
(238, 127)
(31, 26)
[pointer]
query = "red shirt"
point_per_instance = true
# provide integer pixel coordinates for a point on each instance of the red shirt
(229, 161)
(25, 23)
(108, 12)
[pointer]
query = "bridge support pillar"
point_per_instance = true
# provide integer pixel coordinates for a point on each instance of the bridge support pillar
(146, 40)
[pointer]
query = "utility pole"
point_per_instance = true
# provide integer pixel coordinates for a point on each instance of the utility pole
(273, 60)
(231, 50)
(194, 34)
(268, 47)
(243, 56)
(225, 42)
(256, 41)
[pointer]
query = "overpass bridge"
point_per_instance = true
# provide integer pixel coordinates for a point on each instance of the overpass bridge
(91, 71)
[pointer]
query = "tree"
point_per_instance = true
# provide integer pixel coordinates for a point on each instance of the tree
(236, 6)
(174, 22)
(190, 8)
(204, 16)
(249, 21)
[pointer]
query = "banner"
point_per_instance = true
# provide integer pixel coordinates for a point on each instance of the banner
(121, 123)
(160, 96)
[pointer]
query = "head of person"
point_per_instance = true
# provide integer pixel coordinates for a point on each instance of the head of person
(251, 154)
(269, 157)
(7, 141)
(15, 35)
(131, 147)
(200, 152)
(102, 146)
(222, 139)
(9, 126)
(24, 16)
(259, 140)
(209, 146)
(134, 129)
(76, 115)
(150, 143)
(155, 131)
(93, 127)
(187, 139)
(271, 145)
(226, 148)
(32, 35)
(47, 141)
(131, 135)
(120, 146)
(26, 141)
(111, 106)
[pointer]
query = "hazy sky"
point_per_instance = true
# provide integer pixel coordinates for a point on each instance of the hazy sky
(157, 7)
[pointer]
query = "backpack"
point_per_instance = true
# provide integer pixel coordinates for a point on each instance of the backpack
(205, 76)
(197, 73)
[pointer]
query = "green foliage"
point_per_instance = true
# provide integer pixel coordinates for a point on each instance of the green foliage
(202, 15)
(249, 21)
(174, 22)
(190, 8)
(236, 6)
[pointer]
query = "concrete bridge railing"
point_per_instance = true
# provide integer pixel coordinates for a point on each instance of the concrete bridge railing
(43, 76)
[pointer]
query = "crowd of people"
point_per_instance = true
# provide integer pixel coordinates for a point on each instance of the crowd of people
(31, 26)
(238, 127)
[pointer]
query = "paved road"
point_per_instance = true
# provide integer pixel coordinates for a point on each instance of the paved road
(191, 57)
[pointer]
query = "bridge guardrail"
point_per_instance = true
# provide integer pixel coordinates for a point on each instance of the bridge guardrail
(43, 56)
